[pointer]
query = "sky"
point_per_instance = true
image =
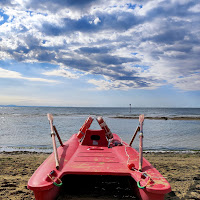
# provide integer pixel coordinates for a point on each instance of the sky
(100, 53)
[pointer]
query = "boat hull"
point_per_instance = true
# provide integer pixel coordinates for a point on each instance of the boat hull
(54, 192)
(78, 158)
(50, 194)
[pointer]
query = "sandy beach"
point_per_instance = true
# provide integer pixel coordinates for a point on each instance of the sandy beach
(182, 171)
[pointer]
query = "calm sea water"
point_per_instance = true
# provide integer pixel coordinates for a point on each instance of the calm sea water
(27, 128)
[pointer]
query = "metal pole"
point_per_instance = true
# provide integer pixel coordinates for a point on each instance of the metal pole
(141, 120)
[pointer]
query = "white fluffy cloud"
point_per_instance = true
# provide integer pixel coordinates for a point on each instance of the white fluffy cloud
(16, 75)
(63, 73)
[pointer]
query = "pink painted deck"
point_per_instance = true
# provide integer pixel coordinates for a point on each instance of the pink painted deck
(93, 157)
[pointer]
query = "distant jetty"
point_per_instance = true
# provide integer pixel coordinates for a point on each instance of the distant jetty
(158, 118)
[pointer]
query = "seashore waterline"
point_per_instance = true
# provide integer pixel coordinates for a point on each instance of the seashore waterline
(27, 128)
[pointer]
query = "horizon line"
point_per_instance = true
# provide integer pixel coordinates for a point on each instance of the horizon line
(94, 106)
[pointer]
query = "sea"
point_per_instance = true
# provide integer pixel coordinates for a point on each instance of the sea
(164, 129)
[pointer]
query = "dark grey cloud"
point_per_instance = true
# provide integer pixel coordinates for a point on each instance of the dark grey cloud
(91, 62)
(94, 50)
(31, 44)
(54, 6)
(167, 9)
(180, 48)
(120, 21)
(77, 63)
(69, 26)
(168, 37)
(116, 73)
(114, 60)
(45, 56)
(6, 3)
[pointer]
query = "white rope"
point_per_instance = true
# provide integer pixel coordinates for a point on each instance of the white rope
(125, 150)
(135, 168)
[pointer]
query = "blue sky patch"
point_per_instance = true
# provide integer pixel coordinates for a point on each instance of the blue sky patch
(131, 6)
(143, 67)
(3, 17)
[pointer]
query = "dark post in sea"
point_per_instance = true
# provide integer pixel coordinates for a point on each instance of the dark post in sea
(130, 107)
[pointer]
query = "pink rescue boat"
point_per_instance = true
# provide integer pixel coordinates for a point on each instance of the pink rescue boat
(97, 152)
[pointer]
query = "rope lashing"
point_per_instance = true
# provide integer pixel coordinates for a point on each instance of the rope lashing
(142, 187)
(131, 166)
(56, 184)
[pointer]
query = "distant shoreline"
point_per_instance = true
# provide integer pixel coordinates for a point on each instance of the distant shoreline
(145, 151)
(158, 118)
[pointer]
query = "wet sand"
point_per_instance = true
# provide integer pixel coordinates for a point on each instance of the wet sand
(182, 171)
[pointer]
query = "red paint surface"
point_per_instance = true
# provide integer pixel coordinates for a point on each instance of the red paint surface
(97, 159)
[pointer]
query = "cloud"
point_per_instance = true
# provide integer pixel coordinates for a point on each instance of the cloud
(113, 40)
(195, 8)
(1, 18)
(63, 73)
(55, 6)
(188, 83)
(168, 37)
(6, 2)
(97, 20)
(94, 50)
(9, 74)
(16, 75)
(120, 84)
(23, 100)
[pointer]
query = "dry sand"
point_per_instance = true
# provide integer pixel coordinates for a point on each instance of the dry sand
(181, 170)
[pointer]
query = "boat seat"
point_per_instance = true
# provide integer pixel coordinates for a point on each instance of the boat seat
(95, 138)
